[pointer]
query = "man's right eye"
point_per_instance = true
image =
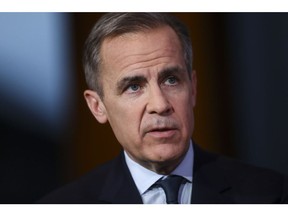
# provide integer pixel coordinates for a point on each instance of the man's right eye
(133, 88)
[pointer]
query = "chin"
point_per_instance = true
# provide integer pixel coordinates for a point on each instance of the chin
(167, 154)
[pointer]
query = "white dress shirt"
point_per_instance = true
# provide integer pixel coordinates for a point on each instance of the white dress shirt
(145, 178)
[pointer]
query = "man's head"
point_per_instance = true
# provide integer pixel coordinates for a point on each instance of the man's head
(141, 81)
(116, 24)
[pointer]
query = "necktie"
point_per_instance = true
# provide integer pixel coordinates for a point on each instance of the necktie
(171, 186)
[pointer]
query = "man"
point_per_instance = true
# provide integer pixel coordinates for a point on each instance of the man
(138, 69)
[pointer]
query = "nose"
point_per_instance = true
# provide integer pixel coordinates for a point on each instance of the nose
(158, 102)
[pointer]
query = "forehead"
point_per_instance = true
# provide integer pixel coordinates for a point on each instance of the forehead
(136, 51)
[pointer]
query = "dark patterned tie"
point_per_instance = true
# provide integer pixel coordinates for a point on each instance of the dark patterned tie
(171, 186)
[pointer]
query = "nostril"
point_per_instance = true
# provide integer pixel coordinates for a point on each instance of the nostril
(167, 110)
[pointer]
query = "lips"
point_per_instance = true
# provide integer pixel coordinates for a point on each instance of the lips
(162, 129)
(159, 128)
(164, 132)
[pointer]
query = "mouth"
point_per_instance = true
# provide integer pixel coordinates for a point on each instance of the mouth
(162, 132)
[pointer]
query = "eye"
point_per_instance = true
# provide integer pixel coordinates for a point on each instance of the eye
(133, 88)
(171, 81)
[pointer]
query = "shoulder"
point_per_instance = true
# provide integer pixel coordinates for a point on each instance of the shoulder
(247, 173)
(256, 183)
(87, 188)
(232, 167)
(247, 183)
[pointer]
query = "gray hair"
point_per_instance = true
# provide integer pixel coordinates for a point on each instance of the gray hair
(115, 24)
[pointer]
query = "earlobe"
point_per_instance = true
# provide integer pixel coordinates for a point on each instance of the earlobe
(96, 106)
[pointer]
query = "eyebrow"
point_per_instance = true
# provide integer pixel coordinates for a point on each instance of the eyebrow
(129, 80)
(170, 71)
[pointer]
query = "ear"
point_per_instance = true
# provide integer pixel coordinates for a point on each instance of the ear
(194, 86)
(96, 106)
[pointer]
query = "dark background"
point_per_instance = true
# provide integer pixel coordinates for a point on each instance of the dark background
(241, 111)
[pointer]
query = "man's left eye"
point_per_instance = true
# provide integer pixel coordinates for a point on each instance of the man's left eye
(171, 81)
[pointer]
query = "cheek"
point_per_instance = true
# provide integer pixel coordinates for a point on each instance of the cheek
(184, 110)
(124, 121)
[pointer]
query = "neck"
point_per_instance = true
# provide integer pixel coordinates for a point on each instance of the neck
(163, 167)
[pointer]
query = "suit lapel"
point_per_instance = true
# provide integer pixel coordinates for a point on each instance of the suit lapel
(119, 187)
(210, 184)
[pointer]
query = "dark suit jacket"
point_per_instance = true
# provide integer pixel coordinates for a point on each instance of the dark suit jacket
(216, 179)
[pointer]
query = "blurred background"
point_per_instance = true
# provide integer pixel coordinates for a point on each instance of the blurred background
(48, 136)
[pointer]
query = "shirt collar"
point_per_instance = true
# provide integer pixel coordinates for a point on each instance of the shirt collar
(145, 178)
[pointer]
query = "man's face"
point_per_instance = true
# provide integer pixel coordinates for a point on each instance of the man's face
(148, 96)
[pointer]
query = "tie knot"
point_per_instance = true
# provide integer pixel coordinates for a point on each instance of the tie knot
(171, 186)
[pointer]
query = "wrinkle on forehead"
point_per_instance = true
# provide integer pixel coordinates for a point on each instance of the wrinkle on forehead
(127, 49)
